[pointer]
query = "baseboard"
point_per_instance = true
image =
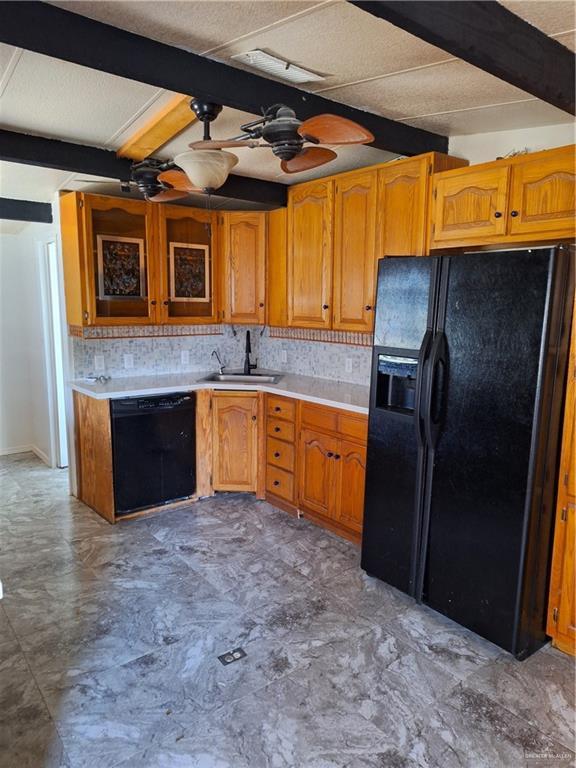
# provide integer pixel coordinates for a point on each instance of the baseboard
(17, 449)
(41, 455)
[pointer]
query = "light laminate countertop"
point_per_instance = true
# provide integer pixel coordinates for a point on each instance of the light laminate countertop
(338, 394)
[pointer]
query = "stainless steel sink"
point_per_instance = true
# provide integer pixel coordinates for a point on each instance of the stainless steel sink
(241, 378)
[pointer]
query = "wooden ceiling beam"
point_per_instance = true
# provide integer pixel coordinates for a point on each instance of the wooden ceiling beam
(161, 128)
(53, 31)
(25, 210)
(77, 158)
(492, 38)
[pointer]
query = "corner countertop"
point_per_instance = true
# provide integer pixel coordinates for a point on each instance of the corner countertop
(338, 394)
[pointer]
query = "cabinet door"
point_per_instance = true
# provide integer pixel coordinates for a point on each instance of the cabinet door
(310, 211)
(354, 252)
(244, 252)
(235, 438)
(402, 208)
(186, 265)
(317, 472)
(352, 470)
(470, 205)
(120, 261)
(543, 195)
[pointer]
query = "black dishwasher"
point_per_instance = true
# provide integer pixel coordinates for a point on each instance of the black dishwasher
(154, 450)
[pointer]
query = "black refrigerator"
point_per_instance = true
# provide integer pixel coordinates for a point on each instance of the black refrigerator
(468, 377)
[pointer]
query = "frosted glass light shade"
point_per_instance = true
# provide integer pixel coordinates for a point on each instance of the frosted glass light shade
(206, 168)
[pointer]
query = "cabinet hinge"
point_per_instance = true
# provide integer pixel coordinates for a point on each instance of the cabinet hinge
(435, 193)
(566, 478)
(564, 514)
(555, 615)
(81, 203)
(430, 170)
(210, 479)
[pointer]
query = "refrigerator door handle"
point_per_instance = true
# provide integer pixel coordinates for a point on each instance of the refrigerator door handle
(420, 377)
(435, 384)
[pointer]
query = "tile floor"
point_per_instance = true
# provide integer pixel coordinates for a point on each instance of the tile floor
(109, 638)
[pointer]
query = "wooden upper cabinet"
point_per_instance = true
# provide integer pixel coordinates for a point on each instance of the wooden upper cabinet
(276, 269)
(402, 207)
(542, 198)
(354, 252)
(470, 204)
(109, 255)
(186, 265)
(235, 430)
(310, 212)
(317, 472)
(244, 267)
(352, 472)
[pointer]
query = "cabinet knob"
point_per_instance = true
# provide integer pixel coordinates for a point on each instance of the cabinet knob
(276, 455)
(336, 456)
(325, 306)
(368, 307)
(276, 482)
(514, 214)
(153, 302)
(261, 304)
(277, 409)
(329, 454)
(276, 429)
(166, 302)
(497, 214)
(253, 418)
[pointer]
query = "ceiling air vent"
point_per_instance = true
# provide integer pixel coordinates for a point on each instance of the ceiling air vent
(277, 67)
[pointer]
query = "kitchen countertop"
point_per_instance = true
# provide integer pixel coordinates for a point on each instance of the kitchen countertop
(338, 394)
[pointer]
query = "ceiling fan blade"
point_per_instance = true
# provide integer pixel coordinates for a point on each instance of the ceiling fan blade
(331, 129)
(235, 143)
(168, 194)
(178, 180)
(311, 157)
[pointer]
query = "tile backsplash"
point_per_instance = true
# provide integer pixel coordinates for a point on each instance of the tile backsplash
(118, 357)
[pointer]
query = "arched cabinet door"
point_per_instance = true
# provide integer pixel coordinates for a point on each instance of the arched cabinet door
(543, 195)
(352, 471)
(317, 472)
(244, 267)
(235, 430)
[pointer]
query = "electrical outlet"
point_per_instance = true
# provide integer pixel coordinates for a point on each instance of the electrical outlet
(128, 361)
(99, 363)
(348, 365)
(185, 357)
(283, 356)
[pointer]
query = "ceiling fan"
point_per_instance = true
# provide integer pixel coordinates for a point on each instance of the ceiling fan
(297, 144)
(206, 165)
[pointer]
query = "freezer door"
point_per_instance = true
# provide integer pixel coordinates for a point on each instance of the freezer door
(396, 452)
(490, 335)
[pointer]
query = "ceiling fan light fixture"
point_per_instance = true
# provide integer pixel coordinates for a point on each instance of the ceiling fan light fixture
(207, 169)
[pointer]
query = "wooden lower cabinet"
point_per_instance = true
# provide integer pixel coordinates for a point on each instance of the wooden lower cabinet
(93, 437)
(332, 468)
(352, 466)
(235, 441)
(561, 624)
(317, 472)
(281, 452)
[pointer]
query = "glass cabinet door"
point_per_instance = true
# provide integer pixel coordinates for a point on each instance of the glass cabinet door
(119, 257)
(186, 265)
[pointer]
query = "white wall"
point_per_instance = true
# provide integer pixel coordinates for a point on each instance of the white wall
(484, 147)
(24, 386)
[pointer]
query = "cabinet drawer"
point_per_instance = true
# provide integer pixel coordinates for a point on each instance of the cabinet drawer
(282, 430)
(319, 417)
(353, 426)
(281, 408)
(280, 483)
(280, 454)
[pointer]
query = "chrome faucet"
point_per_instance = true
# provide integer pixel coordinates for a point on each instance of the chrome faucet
(221, 365)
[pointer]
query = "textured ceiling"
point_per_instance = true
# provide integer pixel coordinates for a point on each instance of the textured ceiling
(366, 62)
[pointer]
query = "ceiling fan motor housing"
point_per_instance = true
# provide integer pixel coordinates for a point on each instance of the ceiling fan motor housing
(282, 134)
(146, 178)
